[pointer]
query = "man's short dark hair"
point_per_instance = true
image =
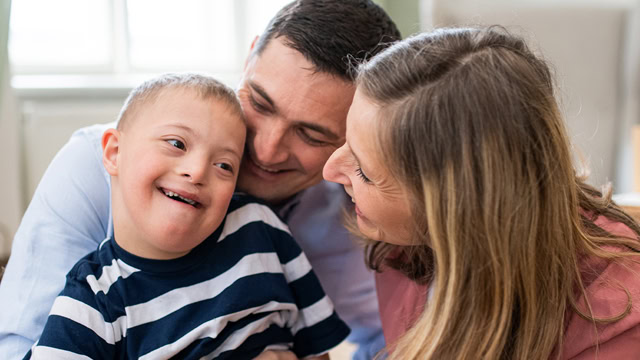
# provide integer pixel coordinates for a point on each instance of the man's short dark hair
(332, 34)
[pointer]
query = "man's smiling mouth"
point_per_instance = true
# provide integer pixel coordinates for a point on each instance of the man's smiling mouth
(265, 169)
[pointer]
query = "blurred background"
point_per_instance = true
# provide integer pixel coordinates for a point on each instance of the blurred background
(66, 64)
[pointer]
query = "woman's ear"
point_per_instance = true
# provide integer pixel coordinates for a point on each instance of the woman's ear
(110, 149)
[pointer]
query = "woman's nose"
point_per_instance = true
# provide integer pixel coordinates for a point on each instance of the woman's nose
(334, 168)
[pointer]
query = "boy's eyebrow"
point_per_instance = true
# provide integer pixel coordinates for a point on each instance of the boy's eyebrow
(331, 136)
(182, 127)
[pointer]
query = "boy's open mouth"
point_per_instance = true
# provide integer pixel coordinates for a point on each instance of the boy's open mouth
(176, 197)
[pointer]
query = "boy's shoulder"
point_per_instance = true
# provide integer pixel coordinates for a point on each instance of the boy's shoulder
(240, 199)
(94, 262)
(251, 222)
(245, 209)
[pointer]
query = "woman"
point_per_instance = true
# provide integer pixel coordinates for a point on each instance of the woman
(488, 244)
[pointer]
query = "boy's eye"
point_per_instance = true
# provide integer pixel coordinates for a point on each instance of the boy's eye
(177, 143)
(224, 166)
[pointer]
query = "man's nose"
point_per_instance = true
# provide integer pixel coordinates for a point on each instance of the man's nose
(269, 143)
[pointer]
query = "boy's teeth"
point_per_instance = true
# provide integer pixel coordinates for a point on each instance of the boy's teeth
(172, 194)
(189, 201)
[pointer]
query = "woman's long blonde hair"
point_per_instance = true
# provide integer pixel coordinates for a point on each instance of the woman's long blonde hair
(470, 127)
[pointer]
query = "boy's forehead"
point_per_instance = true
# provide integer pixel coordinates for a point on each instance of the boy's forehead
(171, 96)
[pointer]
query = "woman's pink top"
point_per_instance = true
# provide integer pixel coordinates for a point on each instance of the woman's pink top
(401, 301)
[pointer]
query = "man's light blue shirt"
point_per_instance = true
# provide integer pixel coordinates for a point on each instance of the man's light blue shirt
(70, 214)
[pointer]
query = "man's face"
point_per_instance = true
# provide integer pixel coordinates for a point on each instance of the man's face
(295, 120)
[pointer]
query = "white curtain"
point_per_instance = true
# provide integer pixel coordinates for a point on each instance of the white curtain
(630, 104)
(10, 190)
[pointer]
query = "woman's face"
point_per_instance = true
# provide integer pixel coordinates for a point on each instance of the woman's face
(381, 204)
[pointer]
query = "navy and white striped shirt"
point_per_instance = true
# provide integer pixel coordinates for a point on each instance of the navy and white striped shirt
(247, 288)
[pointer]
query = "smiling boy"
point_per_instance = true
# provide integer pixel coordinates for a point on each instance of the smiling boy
(192, 271)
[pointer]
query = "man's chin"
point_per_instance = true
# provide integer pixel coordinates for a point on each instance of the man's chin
(270, 196)
(273, 194)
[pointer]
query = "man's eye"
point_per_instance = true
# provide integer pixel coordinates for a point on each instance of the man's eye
(177, 143)
(258, 106)
(225, 166)
(308, 139)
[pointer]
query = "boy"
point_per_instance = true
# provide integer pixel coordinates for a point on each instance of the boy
(187, 274)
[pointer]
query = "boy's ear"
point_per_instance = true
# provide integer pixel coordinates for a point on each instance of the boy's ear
(253, 44)
(110, 149)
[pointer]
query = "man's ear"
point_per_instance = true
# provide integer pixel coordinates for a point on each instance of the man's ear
(110, 149)
(253, 44)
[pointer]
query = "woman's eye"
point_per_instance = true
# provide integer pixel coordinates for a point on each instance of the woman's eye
(177, 143)
(362, 175)
(225, 166)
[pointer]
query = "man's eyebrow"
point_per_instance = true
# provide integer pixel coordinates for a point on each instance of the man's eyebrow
(331, 136)
(263, 93)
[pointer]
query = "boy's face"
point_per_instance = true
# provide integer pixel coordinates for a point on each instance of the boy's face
(174, 172)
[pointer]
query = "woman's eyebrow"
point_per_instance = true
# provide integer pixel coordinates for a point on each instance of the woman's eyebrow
(354, 155)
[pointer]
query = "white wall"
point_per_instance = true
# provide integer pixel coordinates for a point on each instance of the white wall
(47, 124)
(10, 187)
(10, 211)
(586, 42)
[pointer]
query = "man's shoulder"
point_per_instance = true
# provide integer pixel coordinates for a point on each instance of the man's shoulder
(326, 191)
(252, 223)
(92, 132)
(318, 218)
(85, 145)
(325, 200)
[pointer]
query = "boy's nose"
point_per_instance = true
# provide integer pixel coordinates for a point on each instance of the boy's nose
(196, 170)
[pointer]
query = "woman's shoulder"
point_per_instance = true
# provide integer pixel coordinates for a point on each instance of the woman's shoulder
(614, 227)
(400, 302)
(612, 290)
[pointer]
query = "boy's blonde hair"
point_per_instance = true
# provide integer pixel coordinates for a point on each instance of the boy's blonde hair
(147, 92)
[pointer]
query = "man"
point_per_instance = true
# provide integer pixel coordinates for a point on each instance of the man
(295, 92)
